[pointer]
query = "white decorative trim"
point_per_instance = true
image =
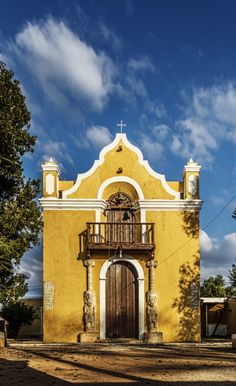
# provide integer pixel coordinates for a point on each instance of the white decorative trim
(54, 203)
(192, 184)
(192, 166)
(112, 180)
(98, 215)
(105, 150)
(140, 277)
(169, 205)
(51, 166)
(50, 183)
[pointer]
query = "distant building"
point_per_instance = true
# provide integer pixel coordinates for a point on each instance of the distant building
(218, 317)
(121, 251)
(35, 330)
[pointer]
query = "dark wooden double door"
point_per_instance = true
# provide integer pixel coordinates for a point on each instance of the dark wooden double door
(121, 301)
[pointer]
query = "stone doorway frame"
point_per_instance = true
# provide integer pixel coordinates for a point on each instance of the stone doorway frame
(140, 278)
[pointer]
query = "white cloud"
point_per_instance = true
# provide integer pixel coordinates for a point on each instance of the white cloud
(206, 242)
(209, 118)
(161, 131)
(157, 110)
(217, 256)
(153, 141)
(98, 136)
(141, 64)
(153, 150)
(31, 265)
(108, 35)
(160, 110)
(217, 200)
(133, 85)
(63, 63)
(137, 86)
(56, 150)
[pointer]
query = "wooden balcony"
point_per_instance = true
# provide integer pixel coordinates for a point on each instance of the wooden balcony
(123, 235)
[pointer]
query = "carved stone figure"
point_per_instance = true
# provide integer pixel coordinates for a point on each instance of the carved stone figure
(192, 184)
(151, 311)
(89, 311)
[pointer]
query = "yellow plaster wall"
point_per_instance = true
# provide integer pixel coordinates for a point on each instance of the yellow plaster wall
(177, 254)
(176, 185)
(128, 161)
(64, 185)
(177, 249)
(174, 248)
(61, 248)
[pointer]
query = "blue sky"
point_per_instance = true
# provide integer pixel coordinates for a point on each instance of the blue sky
(167, 68)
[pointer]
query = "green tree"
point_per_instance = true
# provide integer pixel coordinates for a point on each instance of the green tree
(232, 279)
(213, 287)
(20, 221)
(15, 287)
(232, 275)
(18, 314)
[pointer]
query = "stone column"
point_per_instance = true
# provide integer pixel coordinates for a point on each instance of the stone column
(152, 335)
(89, 310)
(89, 264)
(151, 264)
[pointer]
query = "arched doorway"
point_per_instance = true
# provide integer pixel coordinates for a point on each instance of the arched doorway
(122, 312)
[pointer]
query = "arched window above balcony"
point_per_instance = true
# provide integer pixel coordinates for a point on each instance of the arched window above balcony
(120, 200)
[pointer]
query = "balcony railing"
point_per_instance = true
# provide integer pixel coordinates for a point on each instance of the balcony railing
(104, 235)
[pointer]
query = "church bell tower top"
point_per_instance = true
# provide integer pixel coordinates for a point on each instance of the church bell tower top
(51, 165)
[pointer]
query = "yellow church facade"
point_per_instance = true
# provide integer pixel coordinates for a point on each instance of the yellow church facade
(121, 254)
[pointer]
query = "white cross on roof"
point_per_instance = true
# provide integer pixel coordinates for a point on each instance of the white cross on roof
(121, 125)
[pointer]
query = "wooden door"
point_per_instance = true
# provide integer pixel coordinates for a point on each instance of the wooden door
(121, 301)
(121, 231)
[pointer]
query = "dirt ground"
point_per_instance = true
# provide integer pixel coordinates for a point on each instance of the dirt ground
(32, 364)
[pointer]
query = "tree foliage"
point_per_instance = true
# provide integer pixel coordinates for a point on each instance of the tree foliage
(234, 214)
(20, 221)
(18, 314)
(232, 279)
(15, 287)
(213, 287)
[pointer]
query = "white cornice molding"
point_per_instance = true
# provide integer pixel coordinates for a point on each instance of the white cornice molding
(169, 205)
(51, 168)
(53, 203)
(105, 150)
(192, 168)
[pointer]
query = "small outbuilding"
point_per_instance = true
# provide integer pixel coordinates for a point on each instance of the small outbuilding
(218, 317)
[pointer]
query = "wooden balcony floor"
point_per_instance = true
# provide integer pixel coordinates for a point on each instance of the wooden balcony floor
(123, 245)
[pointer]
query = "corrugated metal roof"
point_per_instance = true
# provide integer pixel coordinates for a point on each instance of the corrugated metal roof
(214, 300)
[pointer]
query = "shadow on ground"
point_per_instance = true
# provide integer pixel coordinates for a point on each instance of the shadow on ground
(115, 365)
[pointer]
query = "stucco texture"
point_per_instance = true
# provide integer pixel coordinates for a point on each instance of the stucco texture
(177, 251)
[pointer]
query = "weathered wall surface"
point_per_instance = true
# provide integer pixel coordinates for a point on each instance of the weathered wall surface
(176, 240)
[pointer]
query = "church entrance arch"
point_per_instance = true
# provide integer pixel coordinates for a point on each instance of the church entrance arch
(124, 270)
(121, 301)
